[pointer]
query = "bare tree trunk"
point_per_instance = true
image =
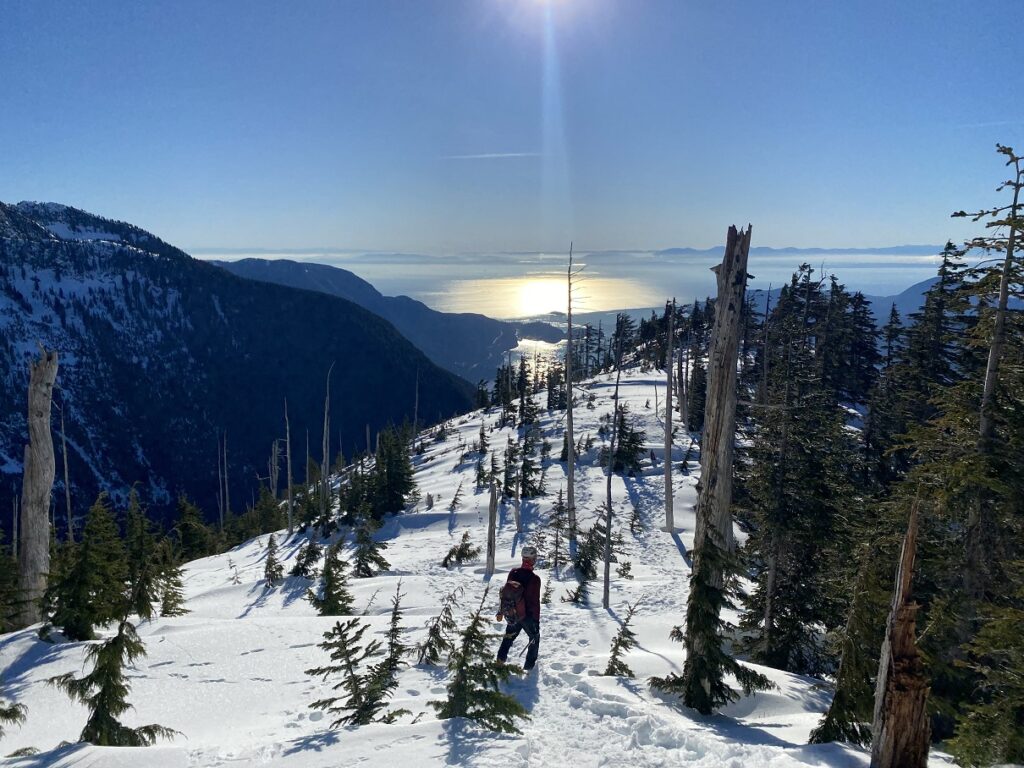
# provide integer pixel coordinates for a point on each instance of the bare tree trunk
(36, 488)
(606, 596)
(683, 373)
(325, 467)
(670, 345)
(416, 407)
(492, 522)
(220, 483)
(227, 484)
(67, 477)
(288, 459)
(714, 519)
(570, 436)
(274, 467)
(14, 536)
(901, 728)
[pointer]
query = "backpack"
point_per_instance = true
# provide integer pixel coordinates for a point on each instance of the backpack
(510, 599)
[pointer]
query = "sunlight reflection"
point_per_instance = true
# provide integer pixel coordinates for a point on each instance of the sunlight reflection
(508, 297)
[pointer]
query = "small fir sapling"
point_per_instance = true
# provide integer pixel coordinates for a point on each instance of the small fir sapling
(342, 643)
(456, 501)
(334, 598)
(440, 631)
(473, 691)
(273, 571)
(624, 641)
(463, 552)
(172, 589)
(382, 677)
(306, 560)
(140, 548)
(104, 691)
(368, 560)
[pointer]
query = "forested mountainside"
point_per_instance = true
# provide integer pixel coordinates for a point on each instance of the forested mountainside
(162, 354)
(468, 344)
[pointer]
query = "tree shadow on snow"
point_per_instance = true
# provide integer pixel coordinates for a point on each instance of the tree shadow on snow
(467, 742)
(63, 756)
(315, 742)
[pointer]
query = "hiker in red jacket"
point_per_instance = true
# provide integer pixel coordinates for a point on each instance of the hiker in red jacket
(520, 607)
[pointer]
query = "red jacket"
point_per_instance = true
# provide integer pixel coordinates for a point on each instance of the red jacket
(530, 607)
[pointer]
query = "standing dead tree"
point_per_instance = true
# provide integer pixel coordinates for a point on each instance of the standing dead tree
(288, 459)
(703, 684)
(492, 523)
(901, 727)
(669, 347)
(570, 437)
(606, 595)
(37, 485)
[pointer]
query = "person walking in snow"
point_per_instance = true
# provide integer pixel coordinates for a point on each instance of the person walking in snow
(520, 607)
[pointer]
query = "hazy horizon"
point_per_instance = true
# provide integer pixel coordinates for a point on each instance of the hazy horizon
(516, 285)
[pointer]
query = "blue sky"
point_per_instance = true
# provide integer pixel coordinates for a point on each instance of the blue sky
(482, 125)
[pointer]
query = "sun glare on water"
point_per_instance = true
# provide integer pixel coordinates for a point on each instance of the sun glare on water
(514, 297)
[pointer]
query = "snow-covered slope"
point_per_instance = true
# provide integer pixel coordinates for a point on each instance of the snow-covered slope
(230, 675)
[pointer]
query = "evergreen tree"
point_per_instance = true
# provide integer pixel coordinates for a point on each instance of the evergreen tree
(305, 561)
(624, 641)
(194, 537)
(473, 691)
(273, 571)
(393, 483)
(104, 691)
(91, 591)
(9, 586)
(463, 552)
(629, 445)
(140, 546)
(440, 631)
(511, 477)
(368, 560)
(382, 677)
(346, 653)
(334, 598)
(170, 586)
(558, 524)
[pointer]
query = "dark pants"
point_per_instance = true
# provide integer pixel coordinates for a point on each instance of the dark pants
(512, 631)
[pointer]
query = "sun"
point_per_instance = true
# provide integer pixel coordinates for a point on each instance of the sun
(541, 295)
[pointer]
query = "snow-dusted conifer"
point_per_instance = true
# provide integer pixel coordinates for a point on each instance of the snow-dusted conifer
(382, 678)
(463, 552)
(624, 641)
(473, 691)
(172, 595)
(367, 558)
(334, 598)
(273, 571)
(343, 645)
(104, 691)
(440, 631)
(306, 560)
(141, 551)
(91, 591)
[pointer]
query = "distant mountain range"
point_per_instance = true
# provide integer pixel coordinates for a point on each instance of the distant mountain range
(469, 345)
(160, 353)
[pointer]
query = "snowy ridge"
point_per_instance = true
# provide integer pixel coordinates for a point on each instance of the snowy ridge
(230, 674)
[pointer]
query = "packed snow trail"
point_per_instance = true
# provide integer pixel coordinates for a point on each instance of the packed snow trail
(230, 675)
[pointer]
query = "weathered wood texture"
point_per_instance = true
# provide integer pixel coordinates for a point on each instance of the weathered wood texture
(37, 485)
(716, 450)
(669, 348)
(492, 523)
(901, 728)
